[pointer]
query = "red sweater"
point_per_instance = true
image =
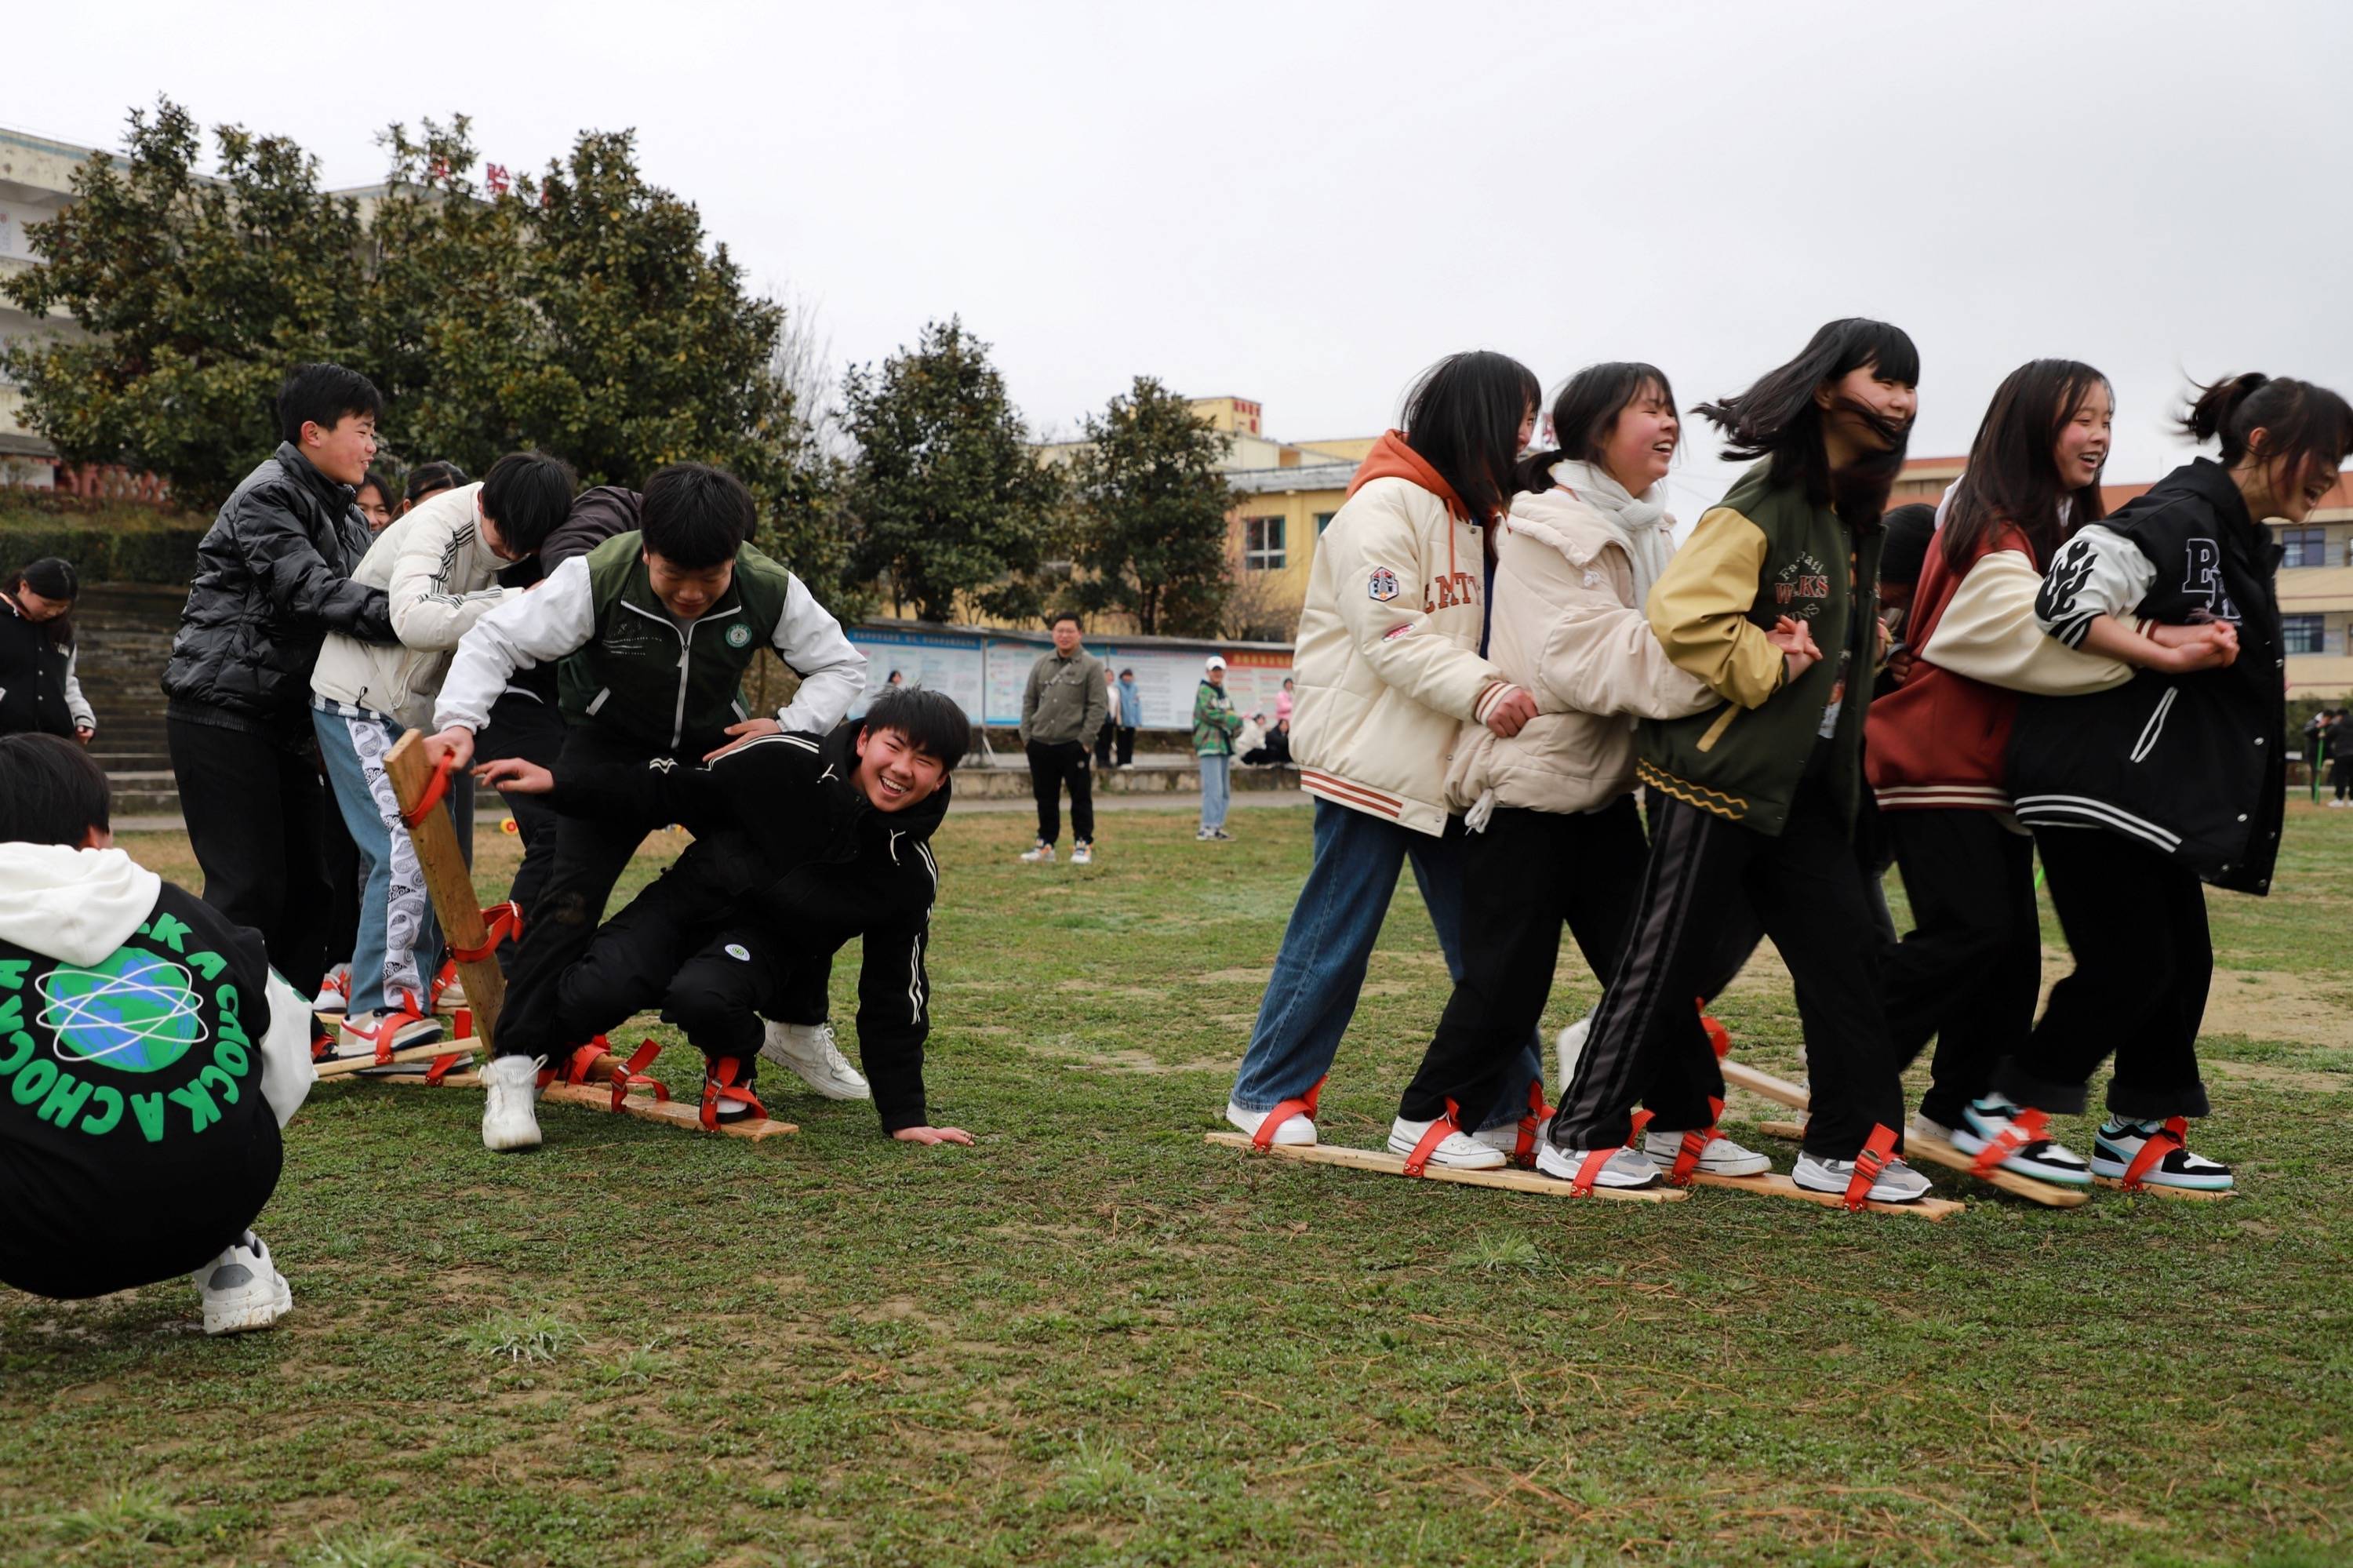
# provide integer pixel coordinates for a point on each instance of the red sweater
(1940, 741)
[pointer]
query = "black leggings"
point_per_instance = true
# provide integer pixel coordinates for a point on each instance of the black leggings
(1969, 970)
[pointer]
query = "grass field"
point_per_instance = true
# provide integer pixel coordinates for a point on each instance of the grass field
(1093, 1339)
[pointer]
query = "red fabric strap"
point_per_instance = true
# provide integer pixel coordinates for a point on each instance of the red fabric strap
(2028, 1125)
(1694, 1144)
(499, 921)
(1719, 1038)
(2173, 1135)
(441, 1066)
(1418, 1161)
(631, 1074)
(1869, 1161)
(719, 1083)
(1635, 1124)
(1523, 1153)
(1588, 1168)
(1303, 1105)
(436, 787)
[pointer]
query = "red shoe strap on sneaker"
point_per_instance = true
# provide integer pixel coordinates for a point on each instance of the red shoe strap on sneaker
(631, 1074)
(2028, 1125)
(1869, 1161)
(1694, 1144)
(389, 1027)
(1523, 1152)
(1719, 1038)
(1303, 1105)
(719, 1083)
(1418, 1161)
(1588, 1168)
(441, 1066)
(2152, 1151)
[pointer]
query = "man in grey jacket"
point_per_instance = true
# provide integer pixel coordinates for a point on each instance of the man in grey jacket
(1062, 709)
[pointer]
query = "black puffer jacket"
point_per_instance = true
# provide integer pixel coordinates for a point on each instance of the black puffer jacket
(273, 577)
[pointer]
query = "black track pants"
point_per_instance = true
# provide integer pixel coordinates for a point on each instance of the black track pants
(256, 813)
(1051, 765)
(2144, 960)
(1969, 970)
(1523, 878)
(1808, 892)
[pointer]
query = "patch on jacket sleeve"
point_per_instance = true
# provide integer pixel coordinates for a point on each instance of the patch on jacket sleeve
(1382, 586)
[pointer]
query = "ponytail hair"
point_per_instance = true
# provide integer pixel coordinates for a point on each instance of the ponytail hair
(1585, 415)
(2301, 423)
(2012, 477)
(1776, 416)
(1463, 418)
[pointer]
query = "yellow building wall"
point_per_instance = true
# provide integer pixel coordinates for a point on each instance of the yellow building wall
(1281, 590)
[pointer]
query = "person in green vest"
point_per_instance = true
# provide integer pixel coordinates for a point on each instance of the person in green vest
(1215, 724)
(654, 630)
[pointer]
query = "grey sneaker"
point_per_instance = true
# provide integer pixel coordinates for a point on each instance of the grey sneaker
(1897, 1182)
(1624, 1168)
(242, 1290)
(1042, 855)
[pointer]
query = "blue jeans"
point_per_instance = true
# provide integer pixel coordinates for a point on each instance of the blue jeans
(1321, 967)
(399, 945)
(1217, 788)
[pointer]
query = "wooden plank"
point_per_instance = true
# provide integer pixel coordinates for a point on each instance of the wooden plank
(455, 1080)
(1937, 1151)
(448, 882)
(2115, 1183)
(676, 1113)
(345, 1067)
(1773, 1184)
(1394, 1165)
(1777, 1089)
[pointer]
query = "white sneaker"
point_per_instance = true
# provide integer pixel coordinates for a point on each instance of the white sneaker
(2118, 1143)
(808, 1050)
(1043, 854)
(1083, 854)
(1504, 1139)
(1203, 836)
(1722, 1157)
(1299, 1132)
(357, 1034)
(2038, 1159)
(242, 1290)
(334, 991)
(1624, 1168)
(450, 996)
(1571, 1045)
(1456, 1150)
(510, 1113)
(1897, 1182)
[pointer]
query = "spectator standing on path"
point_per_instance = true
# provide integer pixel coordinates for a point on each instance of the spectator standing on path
(1130, 716)
(1061, 707)
(1215, 724)
(2340, 758)
(1109, 730)
(273, 577)
(37, 689)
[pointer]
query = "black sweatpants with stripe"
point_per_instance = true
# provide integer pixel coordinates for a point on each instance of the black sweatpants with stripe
(1969, 970)
(1808, 892)
(1523, 878)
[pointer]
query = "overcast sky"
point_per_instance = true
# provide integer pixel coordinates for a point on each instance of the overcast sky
(1305, 204)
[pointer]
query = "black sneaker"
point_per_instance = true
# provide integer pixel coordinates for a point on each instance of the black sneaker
(2120, 1142)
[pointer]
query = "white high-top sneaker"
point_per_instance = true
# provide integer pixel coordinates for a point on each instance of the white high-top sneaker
(808, 1051)
(509, 1107)
(1456, 1151)
(242, 1289)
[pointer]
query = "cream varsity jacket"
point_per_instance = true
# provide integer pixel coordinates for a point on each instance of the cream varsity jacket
(440, 577)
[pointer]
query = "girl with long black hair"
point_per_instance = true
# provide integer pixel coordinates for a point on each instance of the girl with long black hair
(2139, 793)
(1970, 970)
(1390, 662)
(1772, 604)
(38, 688)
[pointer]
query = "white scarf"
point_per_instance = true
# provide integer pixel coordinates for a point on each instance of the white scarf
(1641, 522)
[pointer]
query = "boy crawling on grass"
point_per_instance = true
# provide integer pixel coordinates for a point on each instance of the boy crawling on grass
(149, 1056)
(802, 841)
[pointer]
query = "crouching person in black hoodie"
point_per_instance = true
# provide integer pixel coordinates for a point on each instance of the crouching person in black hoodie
(801, 842)
(150, 1057)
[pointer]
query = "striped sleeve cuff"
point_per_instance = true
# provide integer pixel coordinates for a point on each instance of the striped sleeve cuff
(1495, 693)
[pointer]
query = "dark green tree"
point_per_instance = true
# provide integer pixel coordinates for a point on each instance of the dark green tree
(196, 293)
(948, 502)
(1151, 508)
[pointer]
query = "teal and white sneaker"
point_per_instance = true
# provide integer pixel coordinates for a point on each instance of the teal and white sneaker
(242, 1290)
(2120, 1142)
(2034, 1154)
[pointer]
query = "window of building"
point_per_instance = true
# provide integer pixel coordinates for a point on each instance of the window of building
(1324, 521)
(1263, 544)
(2305, 547)
(2303, 634)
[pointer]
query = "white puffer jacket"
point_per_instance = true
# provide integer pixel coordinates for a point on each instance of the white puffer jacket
(1387, 662)
(441, 576)
(1568, 629)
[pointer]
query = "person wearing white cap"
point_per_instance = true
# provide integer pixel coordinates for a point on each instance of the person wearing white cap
(1215, 724)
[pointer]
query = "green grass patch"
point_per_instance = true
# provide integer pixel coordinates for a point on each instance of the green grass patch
(1093, 1339)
